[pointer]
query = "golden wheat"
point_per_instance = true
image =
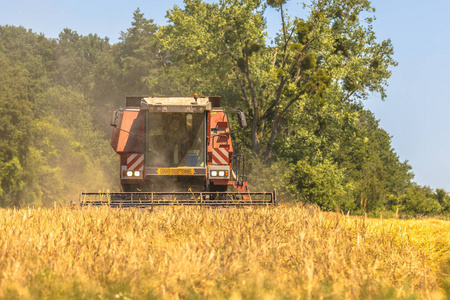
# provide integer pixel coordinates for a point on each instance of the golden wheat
(270, 252)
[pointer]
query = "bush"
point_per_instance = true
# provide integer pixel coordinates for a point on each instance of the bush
(419, 200)
(322, 184)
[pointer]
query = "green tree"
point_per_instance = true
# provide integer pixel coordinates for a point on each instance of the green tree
(51, 146)
(28, 62)
(443, 198)
(139, 57)
(73, 154)
(302, 93)
(323, 184)
(86, 64)
(33, 53)
(308, 57)
(420, 201)
(190, 53)
(15, 129)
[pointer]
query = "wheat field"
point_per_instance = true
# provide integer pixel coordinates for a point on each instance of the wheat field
(284, 252)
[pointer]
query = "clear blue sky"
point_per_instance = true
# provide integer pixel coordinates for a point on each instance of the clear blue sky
(415, 112)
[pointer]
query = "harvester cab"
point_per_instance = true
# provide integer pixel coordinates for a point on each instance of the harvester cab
(177, 150)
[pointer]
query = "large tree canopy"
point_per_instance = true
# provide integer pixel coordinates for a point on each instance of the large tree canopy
(332, 56)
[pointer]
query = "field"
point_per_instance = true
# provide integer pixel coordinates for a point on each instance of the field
(280, 252)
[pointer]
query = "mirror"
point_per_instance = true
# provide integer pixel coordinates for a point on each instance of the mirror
(242, 120)
(115, 118)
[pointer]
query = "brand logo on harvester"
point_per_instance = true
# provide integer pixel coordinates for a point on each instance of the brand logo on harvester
(172, 171)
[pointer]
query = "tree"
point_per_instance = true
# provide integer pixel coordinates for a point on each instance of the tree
(50, 145)
(26, 60)
(138, 56)
(332, 52)
(419, 200)
(332, 48)
(303, 93)
(15, 130)
(443, 199)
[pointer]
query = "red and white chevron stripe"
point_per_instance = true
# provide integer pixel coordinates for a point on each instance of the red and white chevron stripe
(135, 162)
(220, 156)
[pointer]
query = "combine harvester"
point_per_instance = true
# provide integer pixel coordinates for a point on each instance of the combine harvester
(177, 151)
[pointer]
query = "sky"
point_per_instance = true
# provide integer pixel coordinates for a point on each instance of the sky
(415, 112)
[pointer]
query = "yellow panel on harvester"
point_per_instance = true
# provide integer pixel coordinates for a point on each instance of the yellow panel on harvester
(175, 171)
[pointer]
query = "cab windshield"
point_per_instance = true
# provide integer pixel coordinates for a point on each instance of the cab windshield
(175, 140)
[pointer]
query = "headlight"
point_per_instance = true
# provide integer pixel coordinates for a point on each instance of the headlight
(137, 173)
(129, 173)
(213, 173)
(221, 173)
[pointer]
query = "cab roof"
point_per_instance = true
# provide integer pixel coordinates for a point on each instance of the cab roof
(173, 104)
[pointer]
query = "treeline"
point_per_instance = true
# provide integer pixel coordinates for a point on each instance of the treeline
(309, 135)
(51, 145)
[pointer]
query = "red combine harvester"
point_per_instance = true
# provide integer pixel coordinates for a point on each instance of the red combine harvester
(177, 151)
